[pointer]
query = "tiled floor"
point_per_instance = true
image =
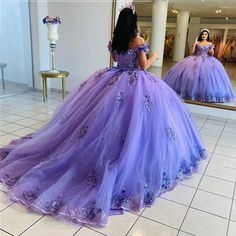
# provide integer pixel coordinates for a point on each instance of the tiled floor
(204, 205)
(12, 88)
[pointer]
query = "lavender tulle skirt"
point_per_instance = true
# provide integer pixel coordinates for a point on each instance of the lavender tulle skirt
(200, 78)
(119, 140)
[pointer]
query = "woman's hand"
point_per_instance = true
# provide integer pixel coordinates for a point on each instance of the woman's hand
(154, 56)
(195, 42)
(194, 45)
(211, 52)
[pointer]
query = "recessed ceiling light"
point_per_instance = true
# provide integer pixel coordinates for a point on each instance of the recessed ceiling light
(218, 10)
(174, 10)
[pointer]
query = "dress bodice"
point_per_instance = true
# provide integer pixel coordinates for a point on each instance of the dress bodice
(129, 59)
(203, 50)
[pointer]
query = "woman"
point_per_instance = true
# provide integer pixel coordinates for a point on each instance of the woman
(115, 144)
(201, 77)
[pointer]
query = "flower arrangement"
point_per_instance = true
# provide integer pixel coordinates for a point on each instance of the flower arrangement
(52, 20)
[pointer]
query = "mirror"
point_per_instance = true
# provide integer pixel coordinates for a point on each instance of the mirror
(15, 52)
(221, 23)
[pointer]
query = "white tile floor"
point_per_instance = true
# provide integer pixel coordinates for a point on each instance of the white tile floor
(204, 205)
(12, 88)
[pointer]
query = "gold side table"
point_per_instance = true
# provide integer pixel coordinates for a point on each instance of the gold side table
(49, 74)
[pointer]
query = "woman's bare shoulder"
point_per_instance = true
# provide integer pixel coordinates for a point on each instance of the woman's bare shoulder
(139, 40)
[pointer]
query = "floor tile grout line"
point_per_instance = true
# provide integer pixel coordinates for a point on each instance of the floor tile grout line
(210, 213)
(200, 182)
(231, 209)
(202, 124)
(6, 207)
(203, 190)
(31, 225)
(78, 230)
(186, 233)
(135, 222)
(14, 122)
(234, 158)
(156, 221)
(209, 176)
(12, 132)
(227, 147)
(6, 232)
(88, 227)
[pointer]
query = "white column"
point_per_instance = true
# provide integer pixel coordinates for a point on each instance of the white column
(159, 17)
(225, 36)
(181, 34)
(193, 30)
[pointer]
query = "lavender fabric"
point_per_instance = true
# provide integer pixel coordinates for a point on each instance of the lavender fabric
(200, 77)
(120, 139)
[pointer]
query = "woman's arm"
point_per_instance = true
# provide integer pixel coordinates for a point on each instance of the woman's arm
(211, 50)
(113, 56)
(194, 46)
(145, 63)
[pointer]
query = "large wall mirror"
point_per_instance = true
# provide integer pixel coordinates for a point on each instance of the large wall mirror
(219, 17)
(15, 48)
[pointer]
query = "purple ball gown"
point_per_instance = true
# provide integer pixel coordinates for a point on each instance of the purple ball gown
(118, 141)
(200, 77)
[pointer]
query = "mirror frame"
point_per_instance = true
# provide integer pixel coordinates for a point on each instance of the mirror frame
(213, 105)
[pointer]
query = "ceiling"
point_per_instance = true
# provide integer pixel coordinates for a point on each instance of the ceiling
(202, 8)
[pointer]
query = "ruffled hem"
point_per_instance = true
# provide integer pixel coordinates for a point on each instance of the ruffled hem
(210, 99)
(119, 204)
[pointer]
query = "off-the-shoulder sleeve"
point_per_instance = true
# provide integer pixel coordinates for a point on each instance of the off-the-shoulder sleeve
(143, 48)
(109, 46)
(212, 46)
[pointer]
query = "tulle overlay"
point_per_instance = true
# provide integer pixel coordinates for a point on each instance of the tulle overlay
(119, 140)
(200, 77)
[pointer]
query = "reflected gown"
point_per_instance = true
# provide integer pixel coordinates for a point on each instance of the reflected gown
(119, 140)
(200, 77)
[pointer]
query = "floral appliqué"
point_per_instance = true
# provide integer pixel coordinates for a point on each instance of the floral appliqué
(98, 75)
(120, 99)
(132, 77)
(92, 179)
(83, 131)
(113, 80)
(82, 85)
(54, 206)
(147, 103)
(122, 136)
(30, 195)
(10, 180)
(171, 134)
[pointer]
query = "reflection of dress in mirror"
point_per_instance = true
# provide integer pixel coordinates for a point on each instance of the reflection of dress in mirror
(201, 77)
(115, 144)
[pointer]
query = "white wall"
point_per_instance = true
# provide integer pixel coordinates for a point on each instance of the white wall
(15, 41)
(83, 38)
(38, 10)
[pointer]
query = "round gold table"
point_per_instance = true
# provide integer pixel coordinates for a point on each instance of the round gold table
(50, 74)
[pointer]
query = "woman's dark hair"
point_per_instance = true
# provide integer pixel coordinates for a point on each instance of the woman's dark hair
(125, 30)
(200, 36)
